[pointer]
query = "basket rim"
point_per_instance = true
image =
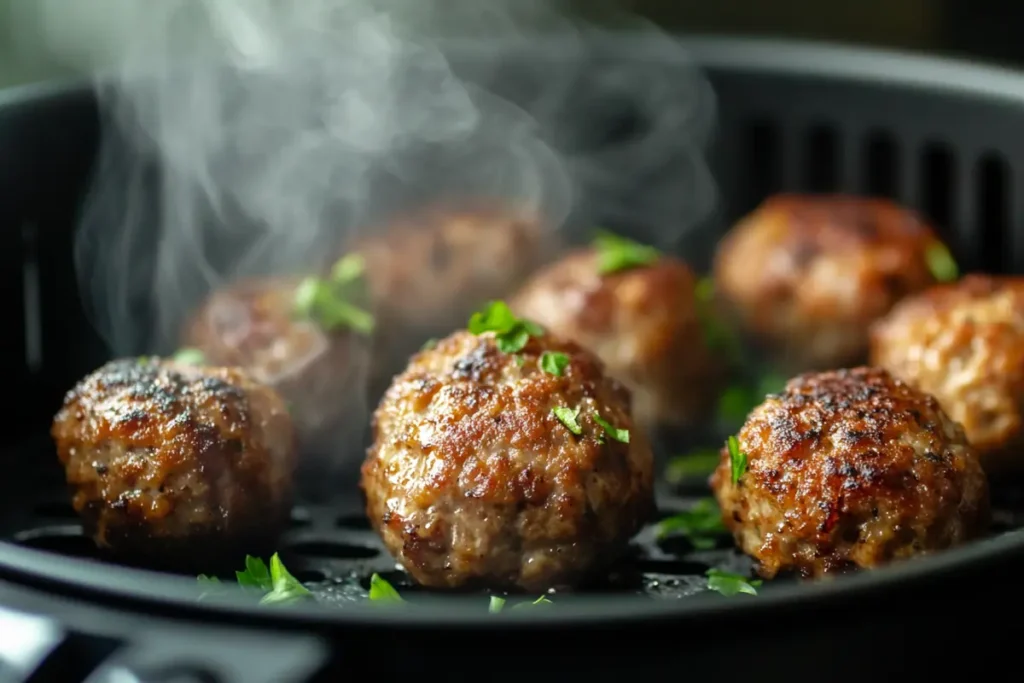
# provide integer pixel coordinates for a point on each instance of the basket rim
(141, 589)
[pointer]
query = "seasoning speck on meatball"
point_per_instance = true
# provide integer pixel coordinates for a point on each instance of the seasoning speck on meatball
(507, 460)
(179, 466)
(847, 469)
(639, 314)
(804, 276)
(964, 344)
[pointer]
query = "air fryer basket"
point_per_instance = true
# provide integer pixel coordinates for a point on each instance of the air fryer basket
(937, 136)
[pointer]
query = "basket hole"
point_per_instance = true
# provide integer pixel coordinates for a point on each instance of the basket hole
(354, 522)
(56, 509)
(330, 550)
(993, 219)
(881, 165)
(821, 160)
(937, 185)
(763, 158)
(64, 540)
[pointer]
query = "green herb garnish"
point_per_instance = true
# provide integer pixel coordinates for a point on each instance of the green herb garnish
(348, 270)
(696, 464)
(382, 591)
(737, 459)
(275, 582)
(511, 333)
(496, 605)
(429, 345)
(615, 253)
(620, 435)
(324, 303)
(727, 583)
(569, 418)
(554, 362)
(941, 262)
(701, 525)
(736, 402)
(539, 601)
(189, 356)
(285, 588)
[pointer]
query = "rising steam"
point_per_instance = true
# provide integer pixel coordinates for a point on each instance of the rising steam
(280, 127)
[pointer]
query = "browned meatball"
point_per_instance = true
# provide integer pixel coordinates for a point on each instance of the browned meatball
(318, 370)
(642, 322)
(804, 276)
(964, 344)
(474, 481)
(176, 465)
(850, 468)
(428, 270)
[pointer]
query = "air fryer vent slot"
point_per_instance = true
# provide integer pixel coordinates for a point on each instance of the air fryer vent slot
(937, 186)
(31, 293)
(821, 160)
(993, 190)
(881, 166)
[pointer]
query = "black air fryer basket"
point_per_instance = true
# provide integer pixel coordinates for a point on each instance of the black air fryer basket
(938, 136)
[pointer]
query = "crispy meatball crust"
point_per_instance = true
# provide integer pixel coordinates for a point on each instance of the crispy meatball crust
(473, 482)
(642, 323)
(964, 344)
(177, 466)
(850, 468)
(320, 375)
(804, 276)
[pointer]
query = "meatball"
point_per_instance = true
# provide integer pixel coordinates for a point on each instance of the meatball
(178, 466)
(474, 480)
(846, 469)
(318, 370)
(428, 271)
(803, 277)
(642, 322)
(964, 344)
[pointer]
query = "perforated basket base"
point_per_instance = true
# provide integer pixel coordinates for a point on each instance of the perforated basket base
(332, 549)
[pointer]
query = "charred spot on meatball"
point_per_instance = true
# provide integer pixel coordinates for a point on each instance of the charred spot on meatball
(175, 466)
(964, 344)
(642, 319)
(802, 277)
(285, 333)
(492, 467)
(849, 469)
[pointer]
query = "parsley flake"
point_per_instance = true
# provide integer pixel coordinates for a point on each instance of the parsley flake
(568, 417)
(737, 459)
(348, 270)
(729, 584)
(189, 357)
(496, 605)
(275, 582)
(701, 525)
(539, 601)
(696, 464)
(429, 345)
(554, 362)
(620, 435)
(941, 262)
(511, 333)
(616, 253)
(382, 591)
(319, 301)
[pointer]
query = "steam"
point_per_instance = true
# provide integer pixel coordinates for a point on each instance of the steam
(247, 137)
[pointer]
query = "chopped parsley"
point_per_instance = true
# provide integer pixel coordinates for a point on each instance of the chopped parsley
(568, 417)
(554, 362)
(616, 253)
(701, 525)
(190, 357)
(620, 435)
(511, 333)
(496, 605)
(737, 459)
(696, 464)
(429, 345)
(727, 583)
(941, 262)
(539, 601)
(348, 270)
(382, 591)
(324, 303)
(275, 582)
